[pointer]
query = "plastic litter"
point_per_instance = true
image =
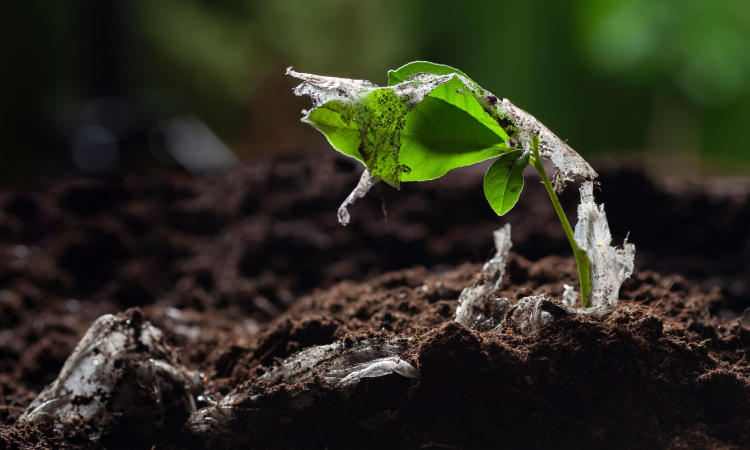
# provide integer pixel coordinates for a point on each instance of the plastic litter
(478, 306)
(366, 182)
(340, 366)
(323, 89)
(610, 266)
(568, 164)
(120, 376)
(530, 314)
(570, 295)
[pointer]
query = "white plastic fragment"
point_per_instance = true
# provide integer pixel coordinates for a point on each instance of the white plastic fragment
(366, 182)
(530, 314)
(610, 266)
(420, 85)
(120, 372)
(323, 89)
(478, 307)
(335, 361)
(481, 308)
(340, 366)
(378, 368)
(568, 164)
(570, 295)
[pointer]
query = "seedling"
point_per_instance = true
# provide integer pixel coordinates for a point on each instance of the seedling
(431, 119)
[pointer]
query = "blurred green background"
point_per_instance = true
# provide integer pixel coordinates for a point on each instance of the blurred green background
(98, 86)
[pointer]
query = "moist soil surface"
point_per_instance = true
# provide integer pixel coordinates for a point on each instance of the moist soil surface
(249, 266)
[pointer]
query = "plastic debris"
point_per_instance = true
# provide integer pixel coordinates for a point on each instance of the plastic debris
(366, 182)
(339, 367)
(120, 376)
(530, 314)
(335, 361)
(323, 89)
(570, 295)
(378, 368)
(478, 306)
(481, 308)
(610, 266)
(568, 164)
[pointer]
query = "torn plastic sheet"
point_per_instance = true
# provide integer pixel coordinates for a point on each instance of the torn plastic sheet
(478, 306)
(530, 314)
(570, 295)
(120, 376)
(610, 266)
(366, 182)
(339, 367)
(568, 164)
(322, 89)
(335, 361)
(378, 368)
(481, 308)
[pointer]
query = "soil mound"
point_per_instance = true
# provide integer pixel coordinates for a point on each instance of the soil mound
(251, 266)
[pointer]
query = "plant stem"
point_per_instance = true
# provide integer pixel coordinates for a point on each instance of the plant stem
(582, 258)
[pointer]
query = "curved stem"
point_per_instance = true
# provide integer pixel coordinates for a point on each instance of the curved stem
(582, 258)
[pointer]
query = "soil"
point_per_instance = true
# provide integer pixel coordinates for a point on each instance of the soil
(249, 266)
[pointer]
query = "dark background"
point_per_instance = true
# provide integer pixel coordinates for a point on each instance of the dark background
(100, 86)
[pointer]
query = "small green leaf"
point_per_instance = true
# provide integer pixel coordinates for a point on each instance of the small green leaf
(503, 181)
(399, 75)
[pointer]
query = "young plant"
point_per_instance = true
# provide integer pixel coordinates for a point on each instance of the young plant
(431, 119)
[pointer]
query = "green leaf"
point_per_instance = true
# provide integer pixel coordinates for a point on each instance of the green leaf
(399, 75)
(414, 131)
(447, 130)
(334, 120)
(368, 129)
(503, 181)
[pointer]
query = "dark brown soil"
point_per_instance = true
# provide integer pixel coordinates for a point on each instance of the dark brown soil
(216, 262)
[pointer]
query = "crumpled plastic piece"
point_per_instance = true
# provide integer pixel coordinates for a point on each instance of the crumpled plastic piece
(568, 164)
(378, 368)
(530, 314)
(323, 89)
(366, 182)
(340, 366)
(335, 361)
(119, 377)
(478, 307)
(481, 308)
(610, 266)
(570, 295)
